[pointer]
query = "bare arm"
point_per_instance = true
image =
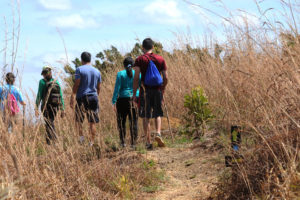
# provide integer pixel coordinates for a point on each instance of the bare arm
(165, 79)
(136, 80)
(76, 86)
(74, 91)
(98, 88)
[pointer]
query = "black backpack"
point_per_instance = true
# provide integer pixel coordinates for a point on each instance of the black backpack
(52, 93)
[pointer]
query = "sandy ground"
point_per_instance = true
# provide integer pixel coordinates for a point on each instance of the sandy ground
(190, 172)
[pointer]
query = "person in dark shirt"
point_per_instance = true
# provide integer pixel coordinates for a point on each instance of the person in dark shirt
(151, 97)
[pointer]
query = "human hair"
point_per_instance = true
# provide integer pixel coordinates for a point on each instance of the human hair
(10, 78)
(128, 63)
(86, 57)
(148, 44)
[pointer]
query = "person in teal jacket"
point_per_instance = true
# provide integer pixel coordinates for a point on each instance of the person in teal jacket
(122, 102)
(51, 99)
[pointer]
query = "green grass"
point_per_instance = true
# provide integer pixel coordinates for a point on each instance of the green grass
(189, 163)
(179, 141)
(140, 148)
(151, 189)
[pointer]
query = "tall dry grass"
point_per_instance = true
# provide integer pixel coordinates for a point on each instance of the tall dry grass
(254, 84)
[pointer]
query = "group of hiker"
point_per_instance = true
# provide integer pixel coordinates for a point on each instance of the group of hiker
(138, 92)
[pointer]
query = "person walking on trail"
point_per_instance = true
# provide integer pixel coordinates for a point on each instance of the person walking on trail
(122, 102)
(151, 66)
(51, 99)
(10, 95)
(87, 89)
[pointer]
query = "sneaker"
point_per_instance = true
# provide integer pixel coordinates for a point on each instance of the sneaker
(133, 147)
(149, 146)
(159, 140)
(123, 145)
(81, 139)
(97, 150)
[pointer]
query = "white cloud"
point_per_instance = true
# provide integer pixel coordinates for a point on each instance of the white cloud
(56, 4)
(57, 58)
(165, 12)
(243, 19)
(73, 21)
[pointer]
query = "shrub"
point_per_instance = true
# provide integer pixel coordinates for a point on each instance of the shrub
(198, 111)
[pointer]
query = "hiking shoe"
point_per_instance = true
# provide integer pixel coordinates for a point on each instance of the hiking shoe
(133, 147)
(97, 150)
(123, 145)
(81, 140)
(159, 140)
(149, 146)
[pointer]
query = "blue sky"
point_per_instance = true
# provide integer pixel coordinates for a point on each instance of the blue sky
(93, 25)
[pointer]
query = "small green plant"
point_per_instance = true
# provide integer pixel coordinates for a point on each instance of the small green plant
(198, 111)
(123, 186)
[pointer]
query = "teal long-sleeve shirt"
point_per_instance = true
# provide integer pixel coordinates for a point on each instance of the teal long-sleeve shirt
(41, 93)
(123, 86)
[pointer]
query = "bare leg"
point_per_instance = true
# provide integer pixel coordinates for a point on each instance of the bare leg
(92, 132)
(158, 138)
(79, 129)
(146, 124)
(158, 124)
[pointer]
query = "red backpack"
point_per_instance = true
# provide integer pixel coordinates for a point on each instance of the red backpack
(12, 105)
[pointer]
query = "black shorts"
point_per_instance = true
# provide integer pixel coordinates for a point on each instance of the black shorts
(150, 103)
(89, 106)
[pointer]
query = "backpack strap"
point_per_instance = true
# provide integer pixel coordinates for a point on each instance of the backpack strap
(150, 58)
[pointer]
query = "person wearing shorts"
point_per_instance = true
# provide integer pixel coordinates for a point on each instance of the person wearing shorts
(151, 97)
(87, 89)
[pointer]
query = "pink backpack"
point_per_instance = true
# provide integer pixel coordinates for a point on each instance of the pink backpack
(12, 104)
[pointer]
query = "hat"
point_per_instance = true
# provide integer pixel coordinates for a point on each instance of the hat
(46, 69)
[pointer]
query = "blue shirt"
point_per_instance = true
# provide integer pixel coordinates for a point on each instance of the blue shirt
(89, 78)
(13, 90)
(123, 86)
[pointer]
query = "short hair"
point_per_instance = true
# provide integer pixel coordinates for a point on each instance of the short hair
(147, 43)
(86, 57)
(10, 78)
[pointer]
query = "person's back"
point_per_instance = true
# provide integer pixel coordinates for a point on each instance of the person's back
(10, 95)
(87, 89)
(123, 85)
(143, 61)
(6, 89)
(89, 77)
(9, 88)
(151, 94)
(122, 102)
(126, 83)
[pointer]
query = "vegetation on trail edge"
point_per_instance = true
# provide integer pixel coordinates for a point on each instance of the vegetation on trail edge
(251, 80)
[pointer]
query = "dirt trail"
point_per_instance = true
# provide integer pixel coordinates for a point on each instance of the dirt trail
(190, 172)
